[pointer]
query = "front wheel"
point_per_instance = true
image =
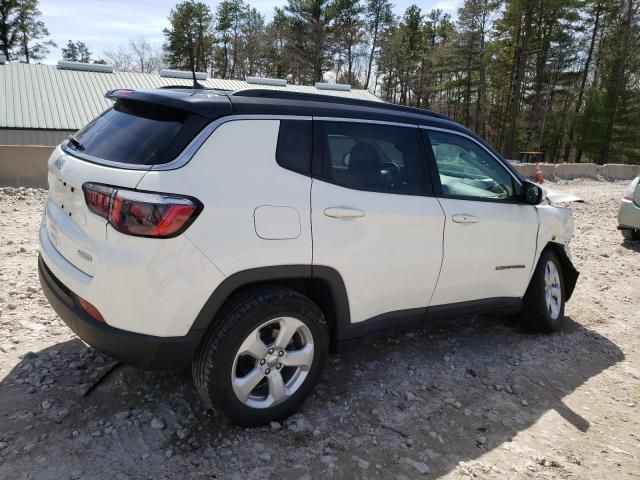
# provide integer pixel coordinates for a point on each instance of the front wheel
(543, 303)
(263, 356)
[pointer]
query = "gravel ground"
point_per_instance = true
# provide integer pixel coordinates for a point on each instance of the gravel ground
(475, 398)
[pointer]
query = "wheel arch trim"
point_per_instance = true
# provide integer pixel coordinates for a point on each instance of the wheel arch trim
(569, 273)
(338, 313)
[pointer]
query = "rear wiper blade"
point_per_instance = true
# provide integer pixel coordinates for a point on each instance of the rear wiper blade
(75, 142)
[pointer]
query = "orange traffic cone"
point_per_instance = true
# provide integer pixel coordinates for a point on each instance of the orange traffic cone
(539, 174)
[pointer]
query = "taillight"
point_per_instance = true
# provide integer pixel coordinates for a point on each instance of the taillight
(98, 198)
(142, 214)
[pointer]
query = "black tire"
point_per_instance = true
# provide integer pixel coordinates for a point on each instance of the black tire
(535, 316)
(630, 234)
(241, 315)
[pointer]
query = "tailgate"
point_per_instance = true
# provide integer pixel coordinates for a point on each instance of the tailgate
(76, 233)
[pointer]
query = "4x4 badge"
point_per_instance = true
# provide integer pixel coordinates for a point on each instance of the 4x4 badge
(59, 162)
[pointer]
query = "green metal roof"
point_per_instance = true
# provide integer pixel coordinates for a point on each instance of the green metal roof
(46, 97)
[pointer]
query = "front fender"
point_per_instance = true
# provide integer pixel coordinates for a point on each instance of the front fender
(556, 231)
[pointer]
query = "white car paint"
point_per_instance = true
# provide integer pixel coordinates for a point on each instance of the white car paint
(556, 226)
(489, 257)
(394, 252)
(228, 175)
(276, 222)
(387, 248)
(150, 286)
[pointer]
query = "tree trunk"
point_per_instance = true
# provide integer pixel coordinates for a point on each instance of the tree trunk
(373, 51)
(350, 61)
(618, 85)
(25, 47)
(480, 100)
(467, 93)
(583, 83)
(520, 65)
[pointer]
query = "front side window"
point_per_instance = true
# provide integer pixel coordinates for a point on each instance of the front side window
(468, 170)
(366, 156)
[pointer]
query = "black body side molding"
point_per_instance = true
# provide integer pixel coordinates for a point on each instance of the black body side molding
(352, 335)
(325, 286)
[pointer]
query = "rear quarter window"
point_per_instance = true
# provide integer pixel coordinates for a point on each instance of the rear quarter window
(138, 133)
(294, 146)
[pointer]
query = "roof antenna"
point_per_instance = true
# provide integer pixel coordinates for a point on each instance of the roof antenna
(196, 85)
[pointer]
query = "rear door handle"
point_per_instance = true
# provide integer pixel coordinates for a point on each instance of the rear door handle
(464, 218)
(342, 212)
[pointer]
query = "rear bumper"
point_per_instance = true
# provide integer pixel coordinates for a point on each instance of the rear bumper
(141, 351)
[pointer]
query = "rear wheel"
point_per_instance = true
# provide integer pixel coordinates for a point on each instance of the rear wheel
(263, 356)
(543, 304)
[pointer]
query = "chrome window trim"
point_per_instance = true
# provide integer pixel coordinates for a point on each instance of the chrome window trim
(190, 150)
(470, 138)
(383, 123)
(201, 137)
(101, 161)
(364, 120)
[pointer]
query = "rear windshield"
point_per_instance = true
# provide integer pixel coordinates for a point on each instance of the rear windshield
(138, 133)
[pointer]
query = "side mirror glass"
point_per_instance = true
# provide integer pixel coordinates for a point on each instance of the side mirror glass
(532, 193)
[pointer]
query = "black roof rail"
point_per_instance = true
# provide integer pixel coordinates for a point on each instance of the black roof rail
(183, 87)
(317, 97)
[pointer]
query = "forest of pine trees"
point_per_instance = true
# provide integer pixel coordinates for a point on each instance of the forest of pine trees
(557, 76)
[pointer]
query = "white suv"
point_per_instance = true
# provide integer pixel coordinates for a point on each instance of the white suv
(248, 234)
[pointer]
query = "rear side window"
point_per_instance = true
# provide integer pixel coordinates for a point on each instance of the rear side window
(294, 146)
(365, 156)
(138, 133)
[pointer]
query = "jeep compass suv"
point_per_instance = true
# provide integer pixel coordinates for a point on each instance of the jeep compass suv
(246, 235)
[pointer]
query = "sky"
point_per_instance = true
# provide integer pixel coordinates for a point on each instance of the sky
(107, 24)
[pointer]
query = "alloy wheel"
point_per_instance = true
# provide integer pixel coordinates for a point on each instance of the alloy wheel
(552, 290)
(272, 362)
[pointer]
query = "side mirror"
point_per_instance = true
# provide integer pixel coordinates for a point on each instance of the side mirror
(531, 193)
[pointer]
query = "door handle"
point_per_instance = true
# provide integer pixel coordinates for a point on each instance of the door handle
(341, 212)
(464, 218)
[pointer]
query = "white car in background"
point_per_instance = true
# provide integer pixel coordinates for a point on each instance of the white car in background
(248, 234)
(629, 211)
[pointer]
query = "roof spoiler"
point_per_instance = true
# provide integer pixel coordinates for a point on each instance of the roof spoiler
(215, 106)
(118, 93)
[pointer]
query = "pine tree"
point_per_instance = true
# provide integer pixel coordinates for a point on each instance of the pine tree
(229, 21)
(348, 36)
(76, 52)
(310, 38)
(276, 51)
(254, 38)
(8, 37)
(31, 32)
(379, 17)
(189, 40)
